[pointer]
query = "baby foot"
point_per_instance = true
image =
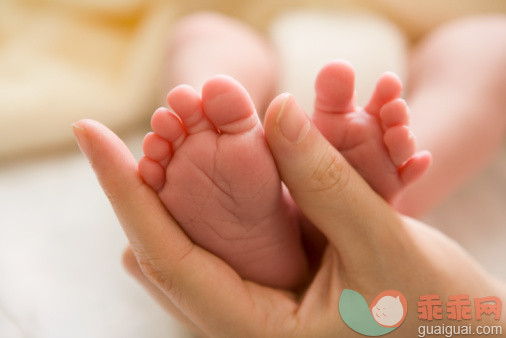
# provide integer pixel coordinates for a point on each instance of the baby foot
(376, 139)
(210, 164)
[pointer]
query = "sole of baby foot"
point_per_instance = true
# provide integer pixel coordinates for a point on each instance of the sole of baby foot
(208, 160)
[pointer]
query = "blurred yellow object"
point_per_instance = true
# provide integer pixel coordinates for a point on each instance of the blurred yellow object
(414, 17)
(62, 60)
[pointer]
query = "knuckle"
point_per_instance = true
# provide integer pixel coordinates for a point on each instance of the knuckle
(330, 172)
(155, 274)
(162, 271)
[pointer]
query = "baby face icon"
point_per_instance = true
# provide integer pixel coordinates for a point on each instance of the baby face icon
(389, 308)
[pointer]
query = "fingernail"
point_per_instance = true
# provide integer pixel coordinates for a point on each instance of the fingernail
(82, 140)
(293, 121)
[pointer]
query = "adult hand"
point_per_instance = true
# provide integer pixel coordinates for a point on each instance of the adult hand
(370, 247)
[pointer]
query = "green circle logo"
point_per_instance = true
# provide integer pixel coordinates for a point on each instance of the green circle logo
(386, 312)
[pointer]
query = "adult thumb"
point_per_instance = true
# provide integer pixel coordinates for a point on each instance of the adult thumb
(322, 183)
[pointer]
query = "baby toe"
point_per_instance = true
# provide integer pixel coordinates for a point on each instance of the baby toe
(415, 167)
(156, 147)
(400, 143)
(187, 104)
(168, 126)
(152, 173)
(388, 88)
(335, 88)
(228, 105)
(394, 113)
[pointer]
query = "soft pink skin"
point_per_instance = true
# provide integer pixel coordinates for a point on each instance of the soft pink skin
(204, 44)
(212, 169)
(375, 140)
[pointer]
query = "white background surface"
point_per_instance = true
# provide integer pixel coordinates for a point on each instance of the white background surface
(60, 257)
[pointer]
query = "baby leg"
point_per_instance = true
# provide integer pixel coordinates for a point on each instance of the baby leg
(207, 44)
(456, 91)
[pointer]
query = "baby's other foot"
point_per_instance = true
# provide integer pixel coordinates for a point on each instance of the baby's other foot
(210, 164)
(376, 139)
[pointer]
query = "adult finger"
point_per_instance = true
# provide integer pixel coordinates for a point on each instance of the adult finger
(133, 201)
(132, 267)
(322, 183)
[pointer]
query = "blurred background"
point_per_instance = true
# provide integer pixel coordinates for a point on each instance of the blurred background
(63, 60)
